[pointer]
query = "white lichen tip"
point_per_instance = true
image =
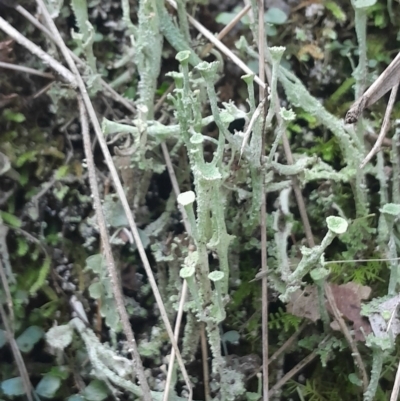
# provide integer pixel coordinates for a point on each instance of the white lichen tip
(364, 3)
(319, 274)
(183, 56)
(287, 115)
(226, 117)
(248, 78)
(277, 52)
(175, 75)
(143, 108)
(207, 68)
(196, 139)
(337, 225)
(391, 208)
(204, 65)
(186, 198)
(59, 337)
(216, 276)
(186, 272)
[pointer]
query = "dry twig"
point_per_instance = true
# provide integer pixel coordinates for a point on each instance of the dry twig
(396, 386)
(27, 70)
(294, 371)
(16, 352)
(353, 346)
(37, 51)
(108, 89)
(263, 216)
(120, 192)
(108, 252)
(384, 129)
(289, 157)
(185, 219)
(227, 29)
(287, 344)
(220, 46)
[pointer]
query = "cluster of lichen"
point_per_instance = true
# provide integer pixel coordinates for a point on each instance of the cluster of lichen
(222, 200)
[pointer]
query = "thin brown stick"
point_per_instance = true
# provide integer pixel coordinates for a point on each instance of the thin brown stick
(204, 354)
(227, 29)
(108, 89)
(119, 189)
(287, 344)
(293, 372)
(43, 90)
(204, 351)
(37, 51)
(396, 386)
(161, 101)
(176, 336)
(219, 45)
(371, 137)
(108, 252)
(3, 276)
(263, 213)
(299, 196)
(27, 70)
(353, 346)
(386, 81)
(205, 51)
(16, 353)
(384, 129)
(178, 321)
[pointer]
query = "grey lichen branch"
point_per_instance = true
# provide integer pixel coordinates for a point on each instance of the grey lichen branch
(155, 130)
(351, 147)
(310, 258)
(209, 228)
(147, 41)
(391, 214)
(106, 364)
(108, 252)
(85, 39)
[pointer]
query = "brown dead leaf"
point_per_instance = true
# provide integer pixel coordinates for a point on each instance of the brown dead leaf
(6, 49)
(6, 100)
(348, 299)
(304, 303)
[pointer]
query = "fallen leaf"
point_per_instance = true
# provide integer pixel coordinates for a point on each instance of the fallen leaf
(6, 48)
(348, 299)
(304, 303)
(5, 100)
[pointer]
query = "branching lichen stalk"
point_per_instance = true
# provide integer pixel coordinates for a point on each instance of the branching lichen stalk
(376, 371)
(183, 21)
(172, 33)
(148, 41)
(352, 149)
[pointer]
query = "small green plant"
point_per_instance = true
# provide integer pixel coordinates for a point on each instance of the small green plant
(285, 321)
